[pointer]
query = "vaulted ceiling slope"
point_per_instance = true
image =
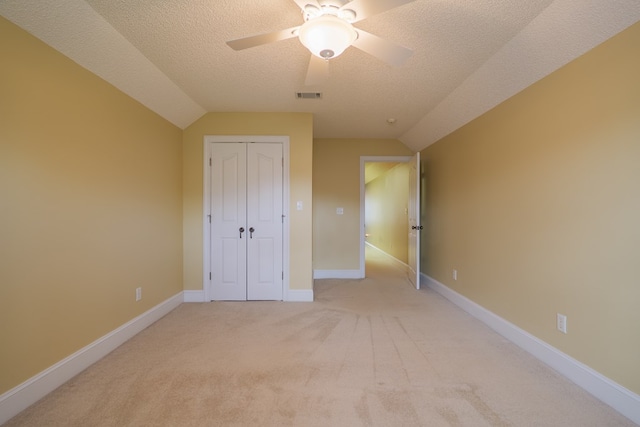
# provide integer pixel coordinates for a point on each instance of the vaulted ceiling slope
(468, 57)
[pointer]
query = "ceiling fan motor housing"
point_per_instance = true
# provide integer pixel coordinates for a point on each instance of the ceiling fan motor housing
(327, 36)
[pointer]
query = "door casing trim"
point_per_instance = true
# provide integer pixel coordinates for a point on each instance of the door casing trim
(206, 203)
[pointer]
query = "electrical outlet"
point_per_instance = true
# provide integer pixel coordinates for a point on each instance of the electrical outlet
(561, 321)
(455, 274)
(138, 294)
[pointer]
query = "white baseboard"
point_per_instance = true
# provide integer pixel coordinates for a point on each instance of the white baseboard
(24, 395)
(613, 394)
(338, 274)
(299, 295)
(194, 296)
(295, 295)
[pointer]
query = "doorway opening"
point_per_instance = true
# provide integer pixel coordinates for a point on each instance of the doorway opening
(380, 213)
(410, 206)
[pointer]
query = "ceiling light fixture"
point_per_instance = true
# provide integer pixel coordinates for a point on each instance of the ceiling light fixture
(327, 36)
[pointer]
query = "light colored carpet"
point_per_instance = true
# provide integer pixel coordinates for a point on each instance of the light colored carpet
(371, 352)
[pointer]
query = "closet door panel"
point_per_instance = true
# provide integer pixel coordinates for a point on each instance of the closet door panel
(228, 221)
(264, 217)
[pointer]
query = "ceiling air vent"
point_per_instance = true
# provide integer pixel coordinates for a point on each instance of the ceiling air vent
(309, 95)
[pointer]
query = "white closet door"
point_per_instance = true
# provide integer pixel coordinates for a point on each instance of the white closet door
(228, 222)
(247, 222)
(264, 221)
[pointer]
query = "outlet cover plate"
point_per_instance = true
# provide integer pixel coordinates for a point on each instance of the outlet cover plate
(561, 322)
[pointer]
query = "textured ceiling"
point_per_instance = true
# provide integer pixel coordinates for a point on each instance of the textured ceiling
(468, 57)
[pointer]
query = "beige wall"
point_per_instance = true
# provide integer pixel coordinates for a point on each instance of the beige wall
(299, 128)
(537, 205)
(336, 183)
(386, 212)
(90, 207)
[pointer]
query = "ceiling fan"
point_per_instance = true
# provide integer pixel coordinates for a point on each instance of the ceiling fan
(328, 31)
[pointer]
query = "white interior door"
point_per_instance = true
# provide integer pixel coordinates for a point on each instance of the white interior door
(414, 220)
(246, 221)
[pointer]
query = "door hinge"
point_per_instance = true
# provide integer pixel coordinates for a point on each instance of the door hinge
(209, 218)
(283, 275)
(209, 161)
(209, 275)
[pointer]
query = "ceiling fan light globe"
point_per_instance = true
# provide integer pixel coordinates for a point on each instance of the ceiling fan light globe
(327, 36)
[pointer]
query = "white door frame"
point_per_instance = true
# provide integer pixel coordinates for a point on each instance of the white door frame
(206, 197)
(363, 160)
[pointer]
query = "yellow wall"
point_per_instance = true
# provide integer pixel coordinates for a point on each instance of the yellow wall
(336, 183)
(537, 205)
(299, 128)
(386, 214)
(90, 207)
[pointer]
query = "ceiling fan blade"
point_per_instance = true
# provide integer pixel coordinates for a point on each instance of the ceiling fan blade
(367, 8)
(261, 39)
(317, 72)
(382, 49)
